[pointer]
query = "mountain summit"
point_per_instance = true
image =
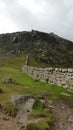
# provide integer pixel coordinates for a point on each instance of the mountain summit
(45, 48)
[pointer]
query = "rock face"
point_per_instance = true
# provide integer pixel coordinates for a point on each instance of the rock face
(56, 76)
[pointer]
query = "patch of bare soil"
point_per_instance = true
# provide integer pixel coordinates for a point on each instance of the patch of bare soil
(22, 119)
(7, 123)
(63, 111)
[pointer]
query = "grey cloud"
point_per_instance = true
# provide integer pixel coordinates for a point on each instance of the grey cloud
(57, 16)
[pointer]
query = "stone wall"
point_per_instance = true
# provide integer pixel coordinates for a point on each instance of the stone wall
(56, 76)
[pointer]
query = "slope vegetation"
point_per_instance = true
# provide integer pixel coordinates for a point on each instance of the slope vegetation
(43, 49)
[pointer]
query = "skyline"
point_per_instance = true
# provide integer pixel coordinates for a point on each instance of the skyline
(42, 15)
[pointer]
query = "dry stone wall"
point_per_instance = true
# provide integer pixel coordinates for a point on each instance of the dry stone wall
(56, 76)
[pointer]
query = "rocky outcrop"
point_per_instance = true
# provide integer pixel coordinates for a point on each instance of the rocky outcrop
(46, 48)
(24, 105)
(9, 80)
(20, 99)
(56, 76)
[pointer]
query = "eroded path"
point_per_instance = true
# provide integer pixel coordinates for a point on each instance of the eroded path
(63, 111)
(7, 123)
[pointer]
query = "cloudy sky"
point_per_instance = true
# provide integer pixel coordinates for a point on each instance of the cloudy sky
(43, 15)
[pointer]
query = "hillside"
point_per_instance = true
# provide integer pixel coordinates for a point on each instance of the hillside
(27, 103)
(43, 49)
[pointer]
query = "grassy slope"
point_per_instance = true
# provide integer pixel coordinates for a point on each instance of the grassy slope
(12, 68)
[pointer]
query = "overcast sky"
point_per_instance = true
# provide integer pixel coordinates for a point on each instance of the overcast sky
(43, 15)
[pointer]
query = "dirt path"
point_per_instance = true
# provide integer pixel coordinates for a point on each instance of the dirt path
(18, 123)
(22, 118)
(7, 123)
(63, 111)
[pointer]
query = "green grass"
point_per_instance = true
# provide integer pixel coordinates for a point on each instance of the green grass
(39, 111)
(12, 68)
(38, 105)
(43, 113)
(10, 109)
(32, 126)
(39, 126)
(12, 62)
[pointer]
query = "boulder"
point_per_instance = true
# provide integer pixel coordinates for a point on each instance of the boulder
(19, 99)
(9, 80)
(1, 91)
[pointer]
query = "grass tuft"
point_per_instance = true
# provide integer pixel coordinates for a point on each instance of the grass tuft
(10, 109)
